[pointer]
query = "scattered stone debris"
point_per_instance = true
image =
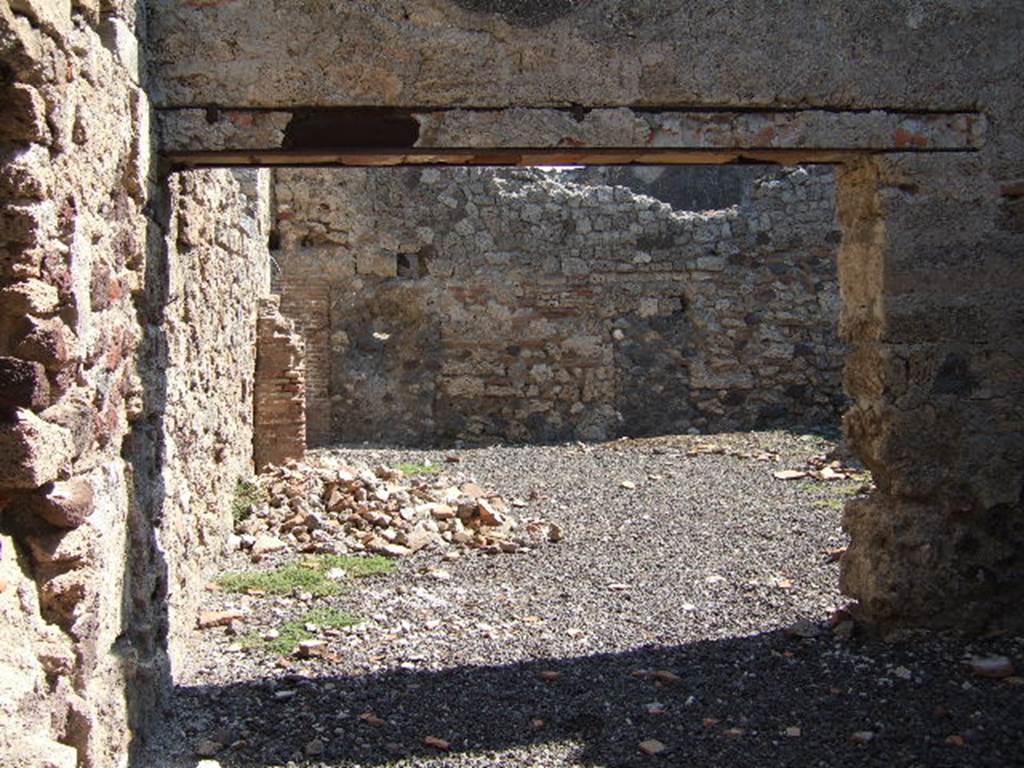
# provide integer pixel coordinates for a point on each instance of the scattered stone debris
(322, 506)
(208, 748)
(370, 718)
(789, 474)
(991, 666)
(210, 619)
(652, 747)
(823, 468)
(435, 743)
(714, 449)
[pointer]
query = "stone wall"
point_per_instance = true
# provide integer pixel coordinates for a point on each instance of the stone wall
(127, 321)
(685, 188)
(74, 182)
(480, 304)
(217, 269)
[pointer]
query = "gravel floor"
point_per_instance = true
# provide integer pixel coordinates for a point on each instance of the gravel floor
(544, 658)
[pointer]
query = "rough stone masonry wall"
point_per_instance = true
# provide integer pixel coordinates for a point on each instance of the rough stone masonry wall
(74, 141)
(217, 268)
(126, 331)
(482, 304)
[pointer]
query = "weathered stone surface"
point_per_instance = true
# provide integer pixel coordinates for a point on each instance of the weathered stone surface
(49, 341)
(65, 504)
(907, 558)
(23, 384)
(144, 346)
(75, 412)
(32, 452)
(30, 650)
(525, 305)
(610, 52)
(31, 297)
(26, 118)
(217, 270)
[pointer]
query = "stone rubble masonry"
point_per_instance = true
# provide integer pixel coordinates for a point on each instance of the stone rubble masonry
(481, 305)
(218, 268)
(280, 420)
(75, 169)
(127, 333)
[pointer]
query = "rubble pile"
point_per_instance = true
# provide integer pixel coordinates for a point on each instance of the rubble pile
(322, 507)
(826, 468)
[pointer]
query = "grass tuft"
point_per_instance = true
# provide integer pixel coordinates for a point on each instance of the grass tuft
(247, 495)
(293, 632)
(307, 575)
(413, 469)
(835, 493)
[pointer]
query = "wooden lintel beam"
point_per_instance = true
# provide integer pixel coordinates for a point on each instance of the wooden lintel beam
(499, 157)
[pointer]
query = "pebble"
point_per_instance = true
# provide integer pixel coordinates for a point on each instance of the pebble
(208, 748)
(435, 743)
(665, 677)
(788, 474)
(991, 666)
(308, 649)
(209, 619)
(265, 544)
(652, 747)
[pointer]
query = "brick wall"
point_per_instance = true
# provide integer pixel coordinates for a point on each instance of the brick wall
(280, 417)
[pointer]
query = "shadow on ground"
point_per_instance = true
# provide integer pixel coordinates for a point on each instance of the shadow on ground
(911, 696)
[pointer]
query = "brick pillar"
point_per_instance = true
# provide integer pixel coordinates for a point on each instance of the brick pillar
(279, 431)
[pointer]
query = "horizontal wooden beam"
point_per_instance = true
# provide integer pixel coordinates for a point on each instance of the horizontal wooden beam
(494, 157)
(346, 136)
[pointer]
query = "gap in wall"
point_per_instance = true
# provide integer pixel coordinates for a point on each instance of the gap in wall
(448, 306)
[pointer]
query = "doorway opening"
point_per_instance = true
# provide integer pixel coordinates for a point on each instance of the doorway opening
(447, 306)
